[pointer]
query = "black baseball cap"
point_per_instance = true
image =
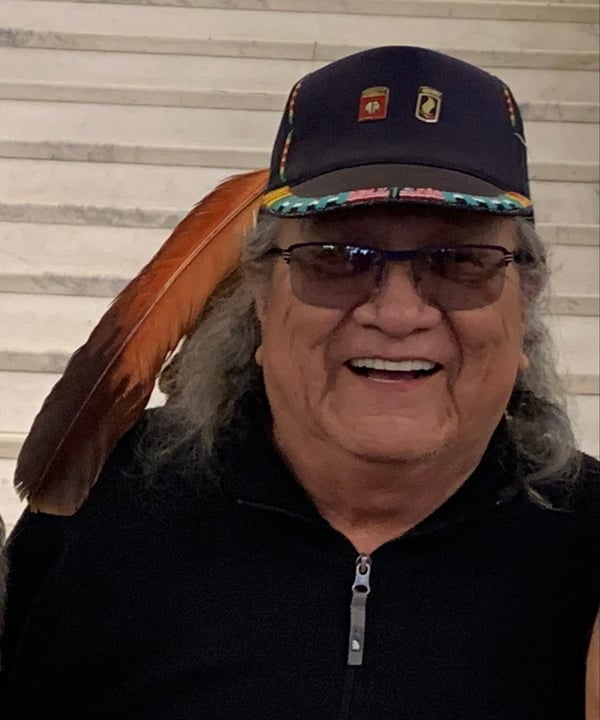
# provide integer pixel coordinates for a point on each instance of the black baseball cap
(399, 125)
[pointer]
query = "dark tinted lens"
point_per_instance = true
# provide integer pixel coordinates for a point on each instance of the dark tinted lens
(334, 276)
(461, 278)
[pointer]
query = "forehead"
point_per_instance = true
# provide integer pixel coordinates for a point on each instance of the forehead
(399, 225)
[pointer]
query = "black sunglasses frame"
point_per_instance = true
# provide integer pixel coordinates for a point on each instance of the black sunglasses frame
(379, 258)
(382, 257)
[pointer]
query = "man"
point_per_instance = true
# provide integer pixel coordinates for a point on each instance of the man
(363, 499)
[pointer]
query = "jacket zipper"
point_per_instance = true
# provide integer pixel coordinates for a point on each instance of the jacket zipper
(361, 588)
(358, 610)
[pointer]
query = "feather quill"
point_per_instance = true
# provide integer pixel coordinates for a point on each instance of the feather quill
(108, 381)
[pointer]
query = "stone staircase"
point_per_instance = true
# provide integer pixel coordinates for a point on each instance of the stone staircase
(117, 118)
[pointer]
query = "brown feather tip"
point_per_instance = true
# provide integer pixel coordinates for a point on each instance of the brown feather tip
(108, 380)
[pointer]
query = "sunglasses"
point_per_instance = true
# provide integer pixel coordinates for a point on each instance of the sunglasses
(335, 275)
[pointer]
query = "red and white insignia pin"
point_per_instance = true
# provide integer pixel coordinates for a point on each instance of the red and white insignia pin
(373, 104)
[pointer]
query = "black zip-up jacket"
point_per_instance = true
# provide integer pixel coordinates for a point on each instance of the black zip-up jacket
(169, 598)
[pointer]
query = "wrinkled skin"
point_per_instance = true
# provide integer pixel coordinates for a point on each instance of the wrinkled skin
(319, 404)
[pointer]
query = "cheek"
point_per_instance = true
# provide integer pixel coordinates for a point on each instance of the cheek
(296, 339)
(491, 346)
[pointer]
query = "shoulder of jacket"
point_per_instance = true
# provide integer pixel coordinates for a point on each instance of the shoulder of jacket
(587, 490)
(135, 485)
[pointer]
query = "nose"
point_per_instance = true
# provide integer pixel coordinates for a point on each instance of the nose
(395, 307)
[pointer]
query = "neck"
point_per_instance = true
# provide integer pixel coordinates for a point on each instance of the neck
(373, 502)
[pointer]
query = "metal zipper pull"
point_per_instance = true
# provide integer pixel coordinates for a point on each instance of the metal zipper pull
(358, 610)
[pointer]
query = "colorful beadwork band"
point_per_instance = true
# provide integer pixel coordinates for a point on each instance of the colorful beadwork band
(283, 201)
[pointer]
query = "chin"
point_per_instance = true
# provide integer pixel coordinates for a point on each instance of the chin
(414, 454)
(400, 444)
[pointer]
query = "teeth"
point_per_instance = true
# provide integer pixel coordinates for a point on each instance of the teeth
(392, 365)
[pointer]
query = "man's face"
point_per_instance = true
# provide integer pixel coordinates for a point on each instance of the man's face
(313, 357)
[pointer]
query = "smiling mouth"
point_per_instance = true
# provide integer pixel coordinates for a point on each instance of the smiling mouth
(392, 370)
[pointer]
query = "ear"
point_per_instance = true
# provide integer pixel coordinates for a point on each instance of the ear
(523, 362)
(523, 359)
(260, 303)
(259, 355)
(257, 287)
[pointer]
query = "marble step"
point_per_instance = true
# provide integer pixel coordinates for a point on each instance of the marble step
(245, 158)
(133, 195)
(544, 111)
(239, 84)
(73, 259)
(581, 11)
(316, 36)
(575, 272)
(98, 262)
(584, 414)
(566, 2)
(40, 332)
(23, 394)
(224, 138)
(10, 505)
(102, 193)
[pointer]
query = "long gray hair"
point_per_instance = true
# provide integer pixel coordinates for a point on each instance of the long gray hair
(215, 367)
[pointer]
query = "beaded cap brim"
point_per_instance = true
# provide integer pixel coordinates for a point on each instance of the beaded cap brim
(285, 203)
